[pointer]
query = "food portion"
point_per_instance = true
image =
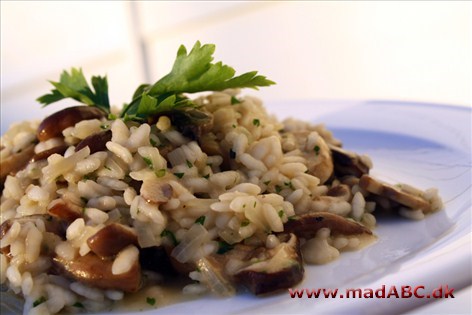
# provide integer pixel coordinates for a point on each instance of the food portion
(99, 203)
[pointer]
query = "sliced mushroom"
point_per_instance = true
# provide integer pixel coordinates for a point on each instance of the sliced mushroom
(53, 125)
(156, 190)
(111, 239)
(96, 142)
(156, 259)
(396, 194)
(51, 224)
(97, 272)
(65, 210)
(47, 153)
(16, 162)
(191, 122)
(348, 163)
(273, 269)
(307, 225)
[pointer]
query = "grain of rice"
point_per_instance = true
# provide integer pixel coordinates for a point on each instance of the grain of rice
(75, 229)
(33, 244)
(120, 151)
(125, 260)
(114, 295)
(86, 291)
(358, 206)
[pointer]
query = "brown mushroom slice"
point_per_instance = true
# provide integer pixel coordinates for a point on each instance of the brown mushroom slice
(307, 225)
(96, 142)
(156, 190)
(51, 224)
(53, 125)
(348, 163)
(16, 161)
(65, 210)
(156, 259)
(282, 269)
(47, 153)
(397, 194)
(111, 239)
(97, 272)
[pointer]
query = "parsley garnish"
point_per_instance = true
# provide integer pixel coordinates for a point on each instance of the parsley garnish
(161, 172)
(223, 247)
(148, 162)
(281, 213)
(39, 301)
(189, 164)
(192, 72)
(74, 85)
(200, 220)
(256, 122)
(316, 149)
(78, 304)
(150, 300)
(179, 175)
(167, 233)
(245, 222)
(234, 100)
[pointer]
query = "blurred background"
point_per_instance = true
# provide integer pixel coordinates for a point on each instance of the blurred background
(414, 51)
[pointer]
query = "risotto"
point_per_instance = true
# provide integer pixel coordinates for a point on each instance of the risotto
(98, 204)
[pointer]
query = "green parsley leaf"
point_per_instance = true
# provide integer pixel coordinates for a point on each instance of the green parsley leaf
(189, 164)
(179, 175)
(39, 301)
(167, 233)
(281, 213)
(150, 300)
(316, 149)
(224, 247)
(74, 85)
(78, 304)
(234, 100)
(195, 72)
(200, 220)
(148, 161)
(161, 172)
(245, 222)
(256, 122)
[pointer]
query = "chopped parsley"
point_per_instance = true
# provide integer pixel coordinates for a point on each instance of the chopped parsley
(206, 176)
(200, 220)
(148, 161)
(39, 301)
(278, 188)
(234, 100)
(224, 247)
(179, 175)
(161, 172)
(78, 304)
(189, 164)
(169, 234)
(281, 213)
(245, 222)
(316, 149)
(150, 300)
(256, 122)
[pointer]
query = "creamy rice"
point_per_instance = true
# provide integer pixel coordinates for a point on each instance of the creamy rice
(241, 182)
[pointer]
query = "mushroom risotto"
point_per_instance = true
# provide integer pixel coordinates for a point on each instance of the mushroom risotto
(99, 203)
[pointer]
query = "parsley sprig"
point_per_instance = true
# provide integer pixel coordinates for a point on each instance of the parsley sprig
(74, 85)
(192, 72)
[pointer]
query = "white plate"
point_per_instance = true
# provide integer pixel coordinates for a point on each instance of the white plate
(420, 144)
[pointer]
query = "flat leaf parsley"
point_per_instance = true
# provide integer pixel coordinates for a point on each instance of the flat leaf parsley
(192, 72)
